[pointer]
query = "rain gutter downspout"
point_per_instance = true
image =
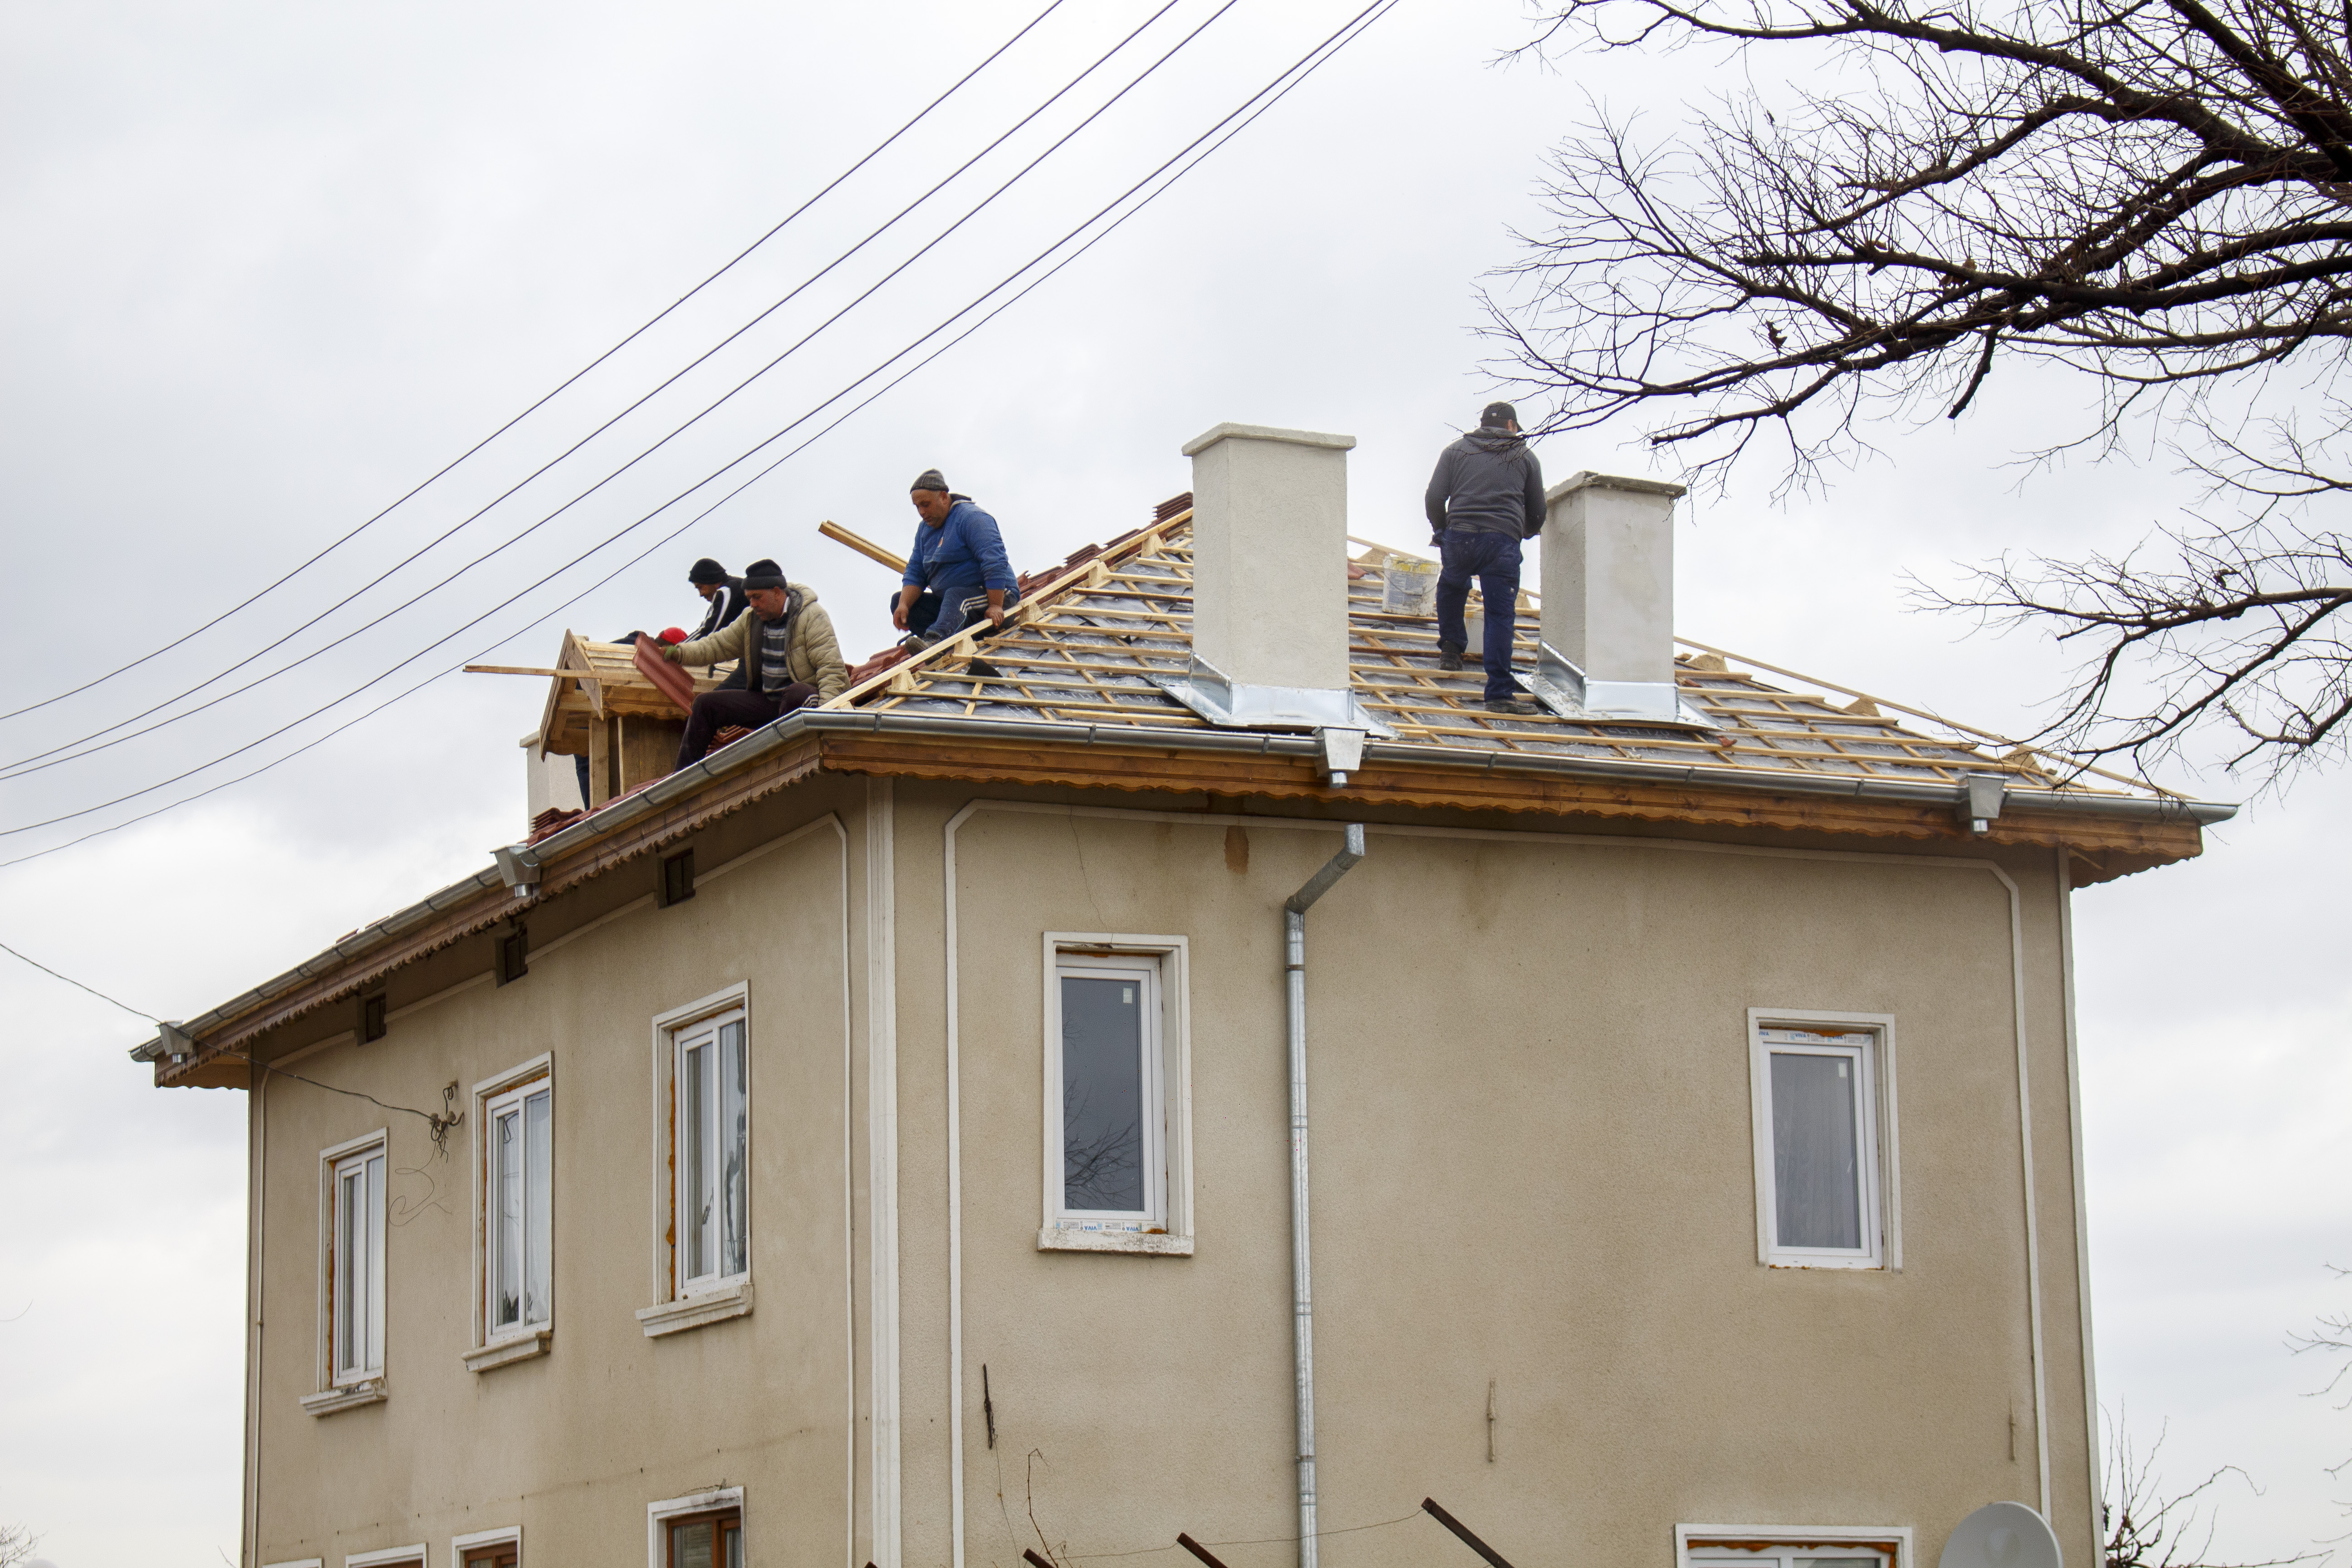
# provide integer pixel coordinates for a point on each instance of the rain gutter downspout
(1302, 1278)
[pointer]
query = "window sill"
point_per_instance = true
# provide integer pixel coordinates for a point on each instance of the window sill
(350, 1396)
(1155, 1243)
(694, 1311)
(1864, 1265)
(502, 1353)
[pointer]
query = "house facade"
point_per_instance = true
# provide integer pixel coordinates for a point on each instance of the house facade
(879, 1142)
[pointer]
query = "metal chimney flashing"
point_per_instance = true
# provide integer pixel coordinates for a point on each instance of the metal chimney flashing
(1237, 705)
(1562, 687)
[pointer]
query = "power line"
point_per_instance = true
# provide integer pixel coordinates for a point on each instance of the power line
(1305, 64)
(35, 762)
(591, 490)
(78, 986)
(655, 320)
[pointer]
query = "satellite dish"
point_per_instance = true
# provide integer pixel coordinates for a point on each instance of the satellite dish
(2002, 1535)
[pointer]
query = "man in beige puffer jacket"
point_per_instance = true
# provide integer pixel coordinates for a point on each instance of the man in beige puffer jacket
(790, 659)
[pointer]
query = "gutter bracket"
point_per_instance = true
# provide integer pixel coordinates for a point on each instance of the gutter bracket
(1343, 754)
(517, 872)
(1980, 800)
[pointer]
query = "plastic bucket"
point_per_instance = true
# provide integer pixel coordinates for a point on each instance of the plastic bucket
(1408, 586)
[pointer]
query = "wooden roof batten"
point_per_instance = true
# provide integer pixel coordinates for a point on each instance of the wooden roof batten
(1075, 705)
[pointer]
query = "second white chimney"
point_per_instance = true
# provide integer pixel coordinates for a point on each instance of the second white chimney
(1609, 599)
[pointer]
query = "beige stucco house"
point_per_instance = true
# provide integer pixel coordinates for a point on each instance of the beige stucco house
(885, 1142)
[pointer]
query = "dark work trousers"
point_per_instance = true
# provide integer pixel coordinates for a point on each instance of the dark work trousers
(1494, 560)
(714, 710)
(943, 611)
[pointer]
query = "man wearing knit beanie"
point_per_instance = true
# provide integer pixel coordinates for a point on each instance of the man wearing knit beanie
(790, 658)
(957, 572)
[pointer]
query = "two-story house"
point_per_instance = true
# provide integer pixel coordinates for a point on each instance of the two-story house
(1202, 1073)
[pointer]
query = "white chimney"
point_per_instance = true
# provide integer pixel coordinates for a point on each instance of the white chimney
(1609, 599)
(1270, 581)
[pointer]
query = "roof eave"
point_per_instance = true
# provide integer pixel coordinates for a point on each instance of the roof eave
(601, 824)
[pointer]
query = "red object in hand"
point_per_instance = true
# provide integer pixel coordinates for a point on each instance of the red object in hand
(672, 635)
(672, 681)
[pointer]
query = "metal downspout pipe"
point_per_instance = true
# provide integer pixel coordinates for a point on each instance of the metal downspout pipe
(1302, 1277)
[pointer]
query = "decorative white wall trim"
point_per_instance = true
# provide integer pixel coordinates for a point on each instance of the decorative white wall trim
(1898, 1535)
(297, 1563)
(416, 1553)
(507, 1351)
(882, 1167)
(506, 1534)
(1055, 1234)
(732, 1301)
(351, 1396)
(1889, 1173)
(2082, 1212)
(657, 1513)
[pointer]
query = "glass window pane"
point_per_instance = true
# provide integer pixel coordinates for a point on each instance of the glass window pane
(372, 1300)
(732, 1530)
(1102, 1094)
(694, 1110)
(505, 1296)
(734, 1142)
(349, 1235)
(539, 1256)
(1815, 1150)
(690, 1545)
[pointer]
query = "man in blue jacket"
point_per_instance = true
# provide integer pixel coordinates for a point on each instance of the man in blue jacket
(957, 572)
(1486, 496)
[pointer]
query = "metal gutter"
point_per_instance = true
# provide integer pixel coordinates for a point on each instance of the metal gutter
(524, 861)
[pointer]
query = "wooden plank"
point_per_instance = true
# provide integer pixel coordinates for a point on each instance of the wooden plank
(865, 547)
(648, 748)
(600, 760)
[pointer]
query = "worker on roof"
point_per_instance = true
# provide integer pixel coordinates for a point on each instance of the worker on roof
(724, 594)
(957, 572)
(1486, 496)
(789, 660)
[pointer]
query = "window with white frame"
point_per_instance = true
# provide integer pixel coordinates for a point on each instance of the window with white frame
(354, 1325)
(1822, 1128)
(519, 1208)
(1766, 1553)
(711, 1145)
(1114, 1094)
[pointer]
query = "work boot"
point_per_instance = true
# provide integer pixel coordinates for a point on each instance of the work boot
(1449, 658)
(1521, 706)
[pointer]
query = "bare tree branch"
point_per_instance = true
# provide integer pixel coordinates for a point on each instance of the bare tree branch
(2155, 194)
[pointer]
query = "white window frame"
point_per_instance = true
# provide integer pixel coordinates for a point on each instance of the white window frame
(1882, 1193)
(658, 1514)
(504, 1535)
(1164, 1227)
(333, 1165)
(681, 1303)
(417, 1553)
(1893, 1542)
(495, 1347)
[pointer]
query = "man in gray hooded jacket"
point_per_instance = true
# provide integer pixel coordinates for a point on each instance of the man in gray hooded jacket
(1486, 496)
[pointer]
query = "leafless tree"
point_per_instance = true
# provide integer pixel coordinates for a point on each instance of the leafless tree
(16, 1544)
(2145, 1529)
(2156, 194)
(2330, 1336)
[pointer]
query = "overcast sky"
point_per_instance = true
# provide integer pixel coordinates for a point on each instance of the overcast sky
(265, 268)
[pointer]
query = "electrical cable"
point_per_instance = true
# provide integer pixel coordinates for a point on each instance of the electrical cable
(1330, 47)
(440, 1125)
(35, 762)
(656, 320)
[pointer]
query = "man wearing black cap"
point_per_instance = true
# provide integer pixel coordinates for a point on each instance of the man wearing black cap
(725, 595)
(957, 572)
(789, 660)
(1486, 496)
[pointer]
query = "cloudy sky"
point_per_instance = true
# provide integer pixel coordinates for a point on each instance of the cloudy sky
(265, 268)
